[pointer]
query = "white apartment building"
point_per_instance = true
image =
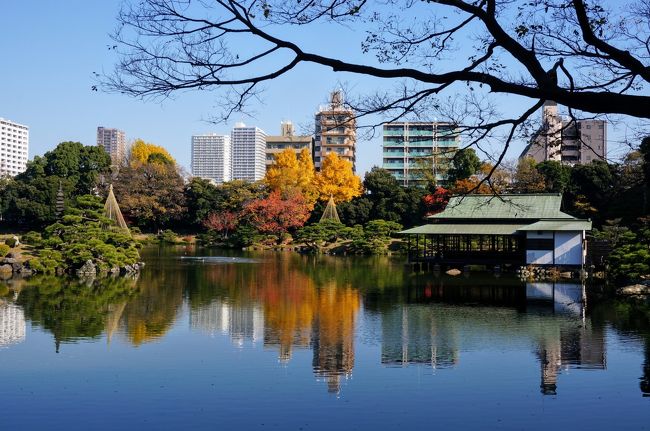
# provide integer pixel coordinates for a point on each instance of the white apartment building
(248, 153)
(114, 142)
(12, 324)
(14, 147)
(212, 157)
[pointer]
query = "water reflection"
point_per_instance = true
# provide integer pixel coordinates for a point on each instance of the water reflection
(286, 302)
(71, 309)
(12, 324)
(281, 304)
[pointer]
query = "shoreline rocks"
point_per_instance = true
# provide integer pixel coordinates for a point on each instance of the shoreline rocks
(13, 266)
(634, 290)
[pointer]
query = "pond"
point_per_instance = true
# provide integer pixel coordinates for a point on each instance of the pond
(213, 339)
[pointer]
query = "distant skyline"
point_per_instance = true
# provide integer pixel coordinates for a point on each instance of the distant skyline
(52, 51)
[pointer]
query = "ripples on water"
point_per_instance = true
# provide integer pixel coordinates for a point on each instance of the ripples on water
(268, 337)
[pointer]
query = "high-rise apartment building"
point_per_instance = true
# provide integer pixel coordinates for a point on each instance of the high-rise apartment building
(212, 157)
(248, 153)
(336, 131)
(14, 147)
(409, 148)
(114, 143)
(287, 139)
(567, 141)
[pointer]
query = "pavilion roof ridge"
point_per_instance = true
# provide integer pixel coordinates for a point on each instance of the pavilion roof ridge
(506, 206)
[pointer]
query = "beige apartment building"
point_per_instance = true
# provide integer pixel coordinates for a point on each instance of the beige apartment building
(567, 141)
(286, 139)
(335, 131)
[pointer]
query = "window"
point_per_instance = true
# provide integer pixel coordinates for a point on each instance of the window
(539, 244)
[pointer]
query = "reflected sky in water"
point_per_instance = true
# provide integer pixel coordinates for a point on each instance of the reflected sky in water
(213, 339)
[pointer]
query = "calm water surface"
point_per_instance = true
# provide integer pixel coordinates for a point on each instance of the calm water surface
(207, 339)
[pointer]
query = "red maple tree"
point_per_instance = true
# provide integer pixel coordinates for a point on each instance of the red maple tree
(436, 201)
(276, 214)
(222, 222)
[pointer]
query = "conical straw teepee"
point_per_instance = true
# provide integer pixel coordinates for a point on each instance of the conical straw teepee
(330, 212)
(112, 210)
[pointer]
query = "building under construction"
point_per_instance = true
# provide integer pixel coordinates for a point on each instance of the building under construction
(336, 131)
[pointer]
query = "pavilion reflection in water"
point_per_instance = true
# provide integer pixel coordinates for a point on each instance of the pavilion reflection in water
(553, 319)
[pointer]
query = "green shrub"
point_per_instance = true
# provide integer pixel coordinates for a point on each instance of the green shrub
(4, 249)
(168, 236)
(32, 238)
(11, 242)
(35, 265)
(245, 236)
(209, 238)
(83, 234)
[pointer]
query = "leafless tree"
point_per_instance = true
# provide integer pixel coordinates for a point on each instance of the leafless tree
(589, 56)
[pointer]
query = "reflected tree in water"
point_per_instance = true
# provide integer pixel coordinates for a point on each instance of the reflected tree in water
(149, 315)
(71, 309)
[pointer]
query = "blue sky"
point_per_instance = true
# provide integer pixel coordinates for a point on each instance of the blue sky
(51, 49)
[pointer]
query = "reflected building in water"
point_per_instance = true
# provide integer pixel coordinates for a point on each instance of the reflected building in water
(241, 323)
(12, 324)
(579, 346)
(413, 335)
(645, 378)
(551, 315)
(333, 335)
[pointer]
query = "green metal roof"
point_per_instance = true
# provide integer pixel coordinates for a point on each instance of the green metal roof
(522, 206)
(465, 229)
(559, 225)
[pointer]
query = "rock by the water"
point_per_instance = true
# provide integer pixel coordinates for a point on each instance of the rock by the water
(88, 268)
(10, 260)
(453, 272)
(17, 267)
(6, 269)
(127, 269)
(634, 290)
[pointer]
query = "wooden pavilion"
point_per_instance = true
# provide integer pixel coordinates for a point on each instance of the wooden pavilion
(499, 230)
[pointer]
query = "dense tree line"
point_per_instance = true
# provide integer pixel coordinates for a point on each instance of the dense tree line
(154, 195)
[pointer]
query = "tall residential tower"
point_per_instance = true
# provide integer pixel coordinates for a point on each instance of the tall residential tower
(248, 153)
(114, 142)
(211, 157)
(14, 146)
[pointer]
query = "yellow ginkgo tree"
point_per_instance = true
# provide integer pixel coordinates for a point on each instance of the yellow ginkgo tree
(289, 173)
(336, 179)
(143, 152)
